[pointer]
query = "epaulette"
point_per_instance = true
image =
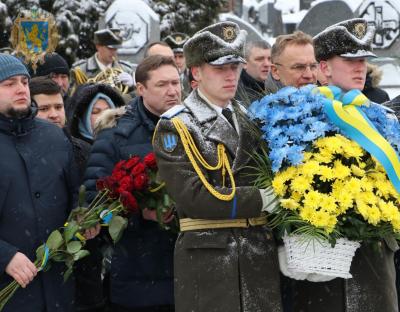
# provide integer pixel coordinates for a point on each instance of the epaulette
(78, 63)
(388, 109)
(126, 63)
(173, 111)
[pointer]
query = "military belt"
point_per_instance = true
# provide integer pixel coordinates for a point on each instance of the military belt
(188, 224)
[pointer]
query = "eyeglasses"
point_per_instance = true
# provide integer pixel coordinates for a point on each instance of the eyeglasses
(301, 68)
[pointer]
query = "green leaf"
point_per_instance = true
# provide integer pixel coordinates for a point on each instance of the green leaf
(70, 230)
(40, 252)
(117, 227)
(55, 240)
(81, 254)
(68, 273)
(74, 247)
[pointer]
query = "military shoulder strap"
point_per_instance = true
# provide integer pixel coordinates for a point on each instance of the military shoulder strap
(173, 111)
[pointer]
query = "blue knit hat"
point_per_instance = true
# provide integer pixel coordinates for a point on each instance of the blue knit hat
(11, 66)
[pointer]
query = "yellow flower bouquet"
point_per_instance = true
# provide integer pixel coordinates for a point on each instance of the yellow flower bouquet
(332, 161)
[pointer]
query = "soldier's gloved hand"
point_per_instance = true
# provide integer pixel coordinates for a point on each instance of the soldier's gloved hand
(269, 199)
(126, 79)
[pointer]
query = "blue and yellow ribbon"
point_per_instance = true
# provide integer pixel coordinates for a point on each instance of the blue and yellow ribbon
(344, 111)
(45, 259)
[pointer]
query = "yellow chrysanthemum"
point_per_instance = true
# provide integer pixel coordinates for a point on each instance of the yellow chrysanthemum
(296, 196)
(279, 186)
(383, 188)
(341, 171)
(357, 171)
(320, 219)
(300, 184)
(323, 158)
(289, 203)
(373, 215)
(328, 204)
(309, 168)
(312, 199)
(352, 149)
(389, 210)
(307, 213)
(367, 197)
(367, 184)
(353, 185)
(396, 223)
(326, 173)
(307, 156)
(345, 201)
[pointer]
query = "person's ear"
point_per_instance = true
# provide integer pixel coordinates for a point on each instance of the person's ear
(196, 73)
(140, 88)
(325, 69)
(275, 72)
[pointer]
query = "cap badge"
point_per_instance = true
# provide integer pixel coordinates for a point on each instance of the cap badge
(229, 33)
(359, 30)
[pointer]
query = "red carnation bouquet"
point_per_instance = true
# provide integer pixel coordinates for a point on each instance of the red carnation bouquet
(132, 186)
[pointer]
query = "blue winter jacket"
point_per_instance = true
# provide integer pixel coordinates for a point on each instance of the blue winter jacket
(142, 264)
(37, 188)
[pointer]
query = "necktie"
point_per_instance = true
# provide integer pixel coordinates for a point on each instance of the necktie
(229, 116)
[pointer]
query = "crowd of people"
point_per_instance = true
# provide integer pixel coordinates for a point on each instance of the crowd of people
(62, 127)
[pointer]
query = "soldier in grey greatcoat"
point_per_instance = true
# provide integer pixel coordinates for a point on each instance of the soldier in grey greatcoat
(342, 50)
(225, 255)
(107, 42)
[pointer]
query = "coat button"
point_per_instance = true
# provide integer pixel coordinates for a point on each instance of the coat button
(37, 194)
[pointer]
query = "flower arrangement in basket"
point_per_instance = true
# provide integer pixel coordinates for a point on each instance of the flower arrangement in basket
(131, 186)
(333, 192)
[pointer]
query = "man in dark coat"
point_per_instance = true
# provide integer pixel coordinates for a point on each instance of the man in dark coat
(225, 256)
(293, 62)
(36, 195)
(141, 277)
(371, 88)
(255, 72)
(342, 50)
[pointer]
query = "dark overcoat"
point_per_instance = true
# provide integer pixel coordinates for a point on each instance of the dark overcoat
(141, 267)
(37, 185)
(232, 269)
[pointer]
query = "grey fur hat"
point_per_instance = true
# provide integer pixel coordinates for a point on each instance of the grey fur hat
(350, 38)
(176, 41)
(218, 44)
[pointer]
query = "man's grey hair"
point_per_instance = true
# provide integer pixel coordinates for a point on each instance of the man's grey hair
(262, 44)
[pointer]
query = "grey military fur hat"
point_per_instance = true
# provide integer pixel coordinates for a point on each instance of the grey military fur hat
(108, 37)
(218, 44)
(350, 38)
(176, 41)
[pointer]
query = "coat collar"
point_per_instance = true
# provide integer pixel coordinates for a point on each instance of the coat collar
(92, 64)
(18, 127)
(217, 129)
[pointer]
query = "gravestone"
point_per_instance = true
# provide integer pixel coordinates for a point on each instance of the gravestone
(323, 15)
(270, 19)
(385, 16)
(139, 26)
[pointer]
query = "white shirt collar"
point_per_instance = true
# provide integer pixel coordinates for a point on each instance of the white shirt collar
(218, 109)
(100, 64)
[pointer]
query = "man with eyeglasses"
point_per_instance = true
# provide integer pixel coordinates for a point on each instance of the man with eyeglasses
(293, 62)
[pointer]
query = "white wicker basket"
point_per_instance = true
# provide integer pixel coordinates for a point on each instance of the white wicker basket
(316, 256)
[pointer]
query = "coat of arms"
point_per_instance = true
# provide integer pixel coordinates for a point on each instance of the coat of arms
(34, 34)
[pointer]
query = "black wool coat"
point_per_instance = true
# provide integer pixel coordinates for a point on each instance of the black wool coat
(37, 188)
(142, 264)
